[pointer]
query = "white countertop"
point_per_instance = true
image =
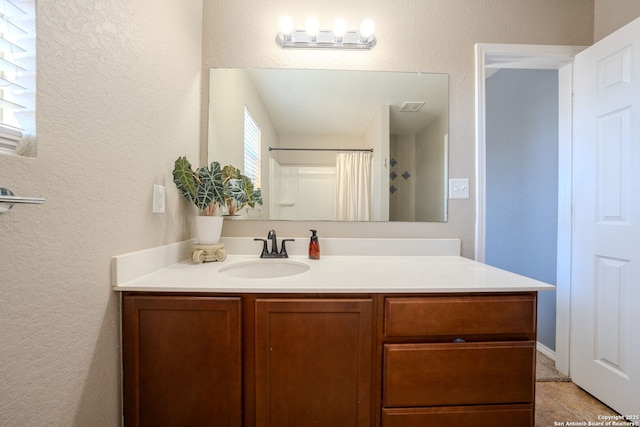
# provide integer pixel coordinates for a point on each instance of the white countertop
(341, 274)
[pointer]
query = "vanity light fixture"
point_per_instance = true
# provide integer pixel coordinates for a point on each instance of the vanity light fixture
(313, 37)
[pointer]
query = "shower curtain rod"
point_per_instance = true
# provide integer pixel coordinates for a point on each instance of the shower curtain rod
(320, 149)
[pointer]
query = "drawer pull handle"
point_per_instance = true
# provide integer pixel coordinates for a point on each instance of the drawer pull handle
(459, 340)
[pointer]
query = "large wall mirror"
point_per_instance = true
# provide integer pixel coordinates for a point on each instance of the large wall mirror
(334, 145)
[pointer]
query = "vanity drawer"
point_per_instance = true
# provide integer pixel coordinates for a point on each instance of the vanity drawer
(510, 315)
(495, 416)
(453, 374)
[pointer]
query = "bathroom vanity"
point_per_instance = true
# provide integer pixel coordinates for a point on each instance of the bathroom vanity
(396, 341)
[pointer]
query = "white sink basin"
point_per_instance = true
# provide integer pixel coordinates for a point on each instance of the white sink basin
(264, 269)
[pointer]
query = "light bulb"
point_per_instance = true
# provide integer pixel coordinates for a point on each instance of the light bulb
(366, 28)
(339, 28)
(312, 26)
(286, 25)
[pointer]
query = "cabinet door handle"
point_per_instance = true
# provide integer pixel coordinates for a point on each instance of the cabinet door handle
(459, 340)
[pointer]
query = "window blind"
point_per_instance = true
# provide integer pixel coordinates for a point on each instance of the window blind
(17, 75)
(251, 148)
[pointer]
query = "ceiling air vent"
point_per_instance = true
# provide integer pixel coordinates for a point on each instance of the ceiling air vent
(411, 106)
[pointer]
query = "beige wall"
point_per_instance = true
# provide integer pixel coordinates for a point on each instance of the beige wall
(613, 14)
(118, 101)
(426, 35)
(430, 150)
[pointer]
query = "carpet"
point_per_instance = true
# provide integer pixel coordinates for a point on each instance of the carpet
(546, 370)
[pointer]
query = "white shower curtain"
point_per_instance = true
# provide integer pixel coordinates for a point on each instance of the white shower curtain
(353, 186)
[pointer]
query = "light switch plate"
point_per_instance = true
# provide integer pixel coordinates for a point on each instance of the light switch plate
(159, 196)
(459, 188)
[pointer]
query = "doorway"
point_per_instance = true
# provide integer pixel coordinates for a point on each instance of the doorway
(521, 190)
(490, 58)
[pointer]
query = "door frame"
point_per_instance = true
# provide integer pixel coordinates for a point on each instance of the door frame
(491, 57)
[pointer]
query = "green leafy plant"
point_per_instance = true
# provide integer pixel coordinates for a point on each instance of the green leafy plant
(239, 191)
(209, 187)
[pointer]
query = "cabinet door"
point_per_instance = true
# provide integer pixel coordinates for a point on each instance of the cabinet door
(313, 362)
(182, 361)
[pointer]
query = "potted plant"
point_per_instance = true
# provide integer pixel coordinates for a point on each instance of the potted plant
(210, 187)
(238, 191)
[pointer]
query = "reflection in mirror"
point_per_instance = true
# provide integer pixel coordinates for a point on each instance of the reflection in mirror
(335, 145)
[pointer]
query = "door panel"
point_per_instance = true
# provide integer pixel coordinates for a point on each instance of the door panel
(182, 361)
(313, 362)
(605, 276)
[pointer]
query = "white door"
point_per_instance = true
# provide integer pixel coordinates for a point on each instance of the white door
(605, 292)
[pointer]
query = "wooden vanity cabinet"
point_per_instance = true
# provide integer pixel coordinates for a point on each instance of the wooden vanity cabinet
(182, 358)
(370, 360)
(458, 360)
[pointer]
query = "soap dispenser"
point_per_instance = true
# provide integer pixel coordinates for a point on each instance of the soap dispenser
(314, 246)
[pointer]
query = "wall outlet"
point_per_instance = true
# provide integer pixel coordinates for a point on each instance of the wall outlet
(459, 188)
(159, 197)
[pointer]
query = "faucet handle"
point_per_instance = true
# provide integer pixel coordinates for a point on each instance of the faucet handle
(283, 249)
(265, 250)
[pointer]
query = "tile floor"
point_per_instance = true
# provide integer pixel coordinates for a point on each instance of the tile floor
(564, 402)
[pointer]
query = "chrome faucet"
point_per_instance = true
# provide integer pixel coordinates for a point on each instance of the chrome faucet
(274, 246)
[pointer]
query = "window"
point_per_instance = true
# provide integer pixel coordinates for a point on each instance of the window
(17, 76)
(251, 148)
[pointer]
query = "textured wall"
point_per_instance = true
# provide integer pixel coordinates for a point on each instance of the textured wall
(118, 101)
(413, 35)
(610, 15)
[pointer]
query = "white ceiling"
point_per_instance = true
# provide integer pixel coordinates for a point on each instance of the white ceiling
(331, 102)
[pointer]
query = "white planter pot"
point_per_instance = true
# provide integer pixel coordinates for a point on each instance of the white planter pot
(208, 229)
